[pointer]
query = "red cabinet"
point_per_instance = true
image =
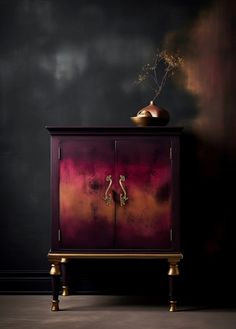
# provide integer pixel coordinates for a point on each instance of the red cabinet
(115, 194)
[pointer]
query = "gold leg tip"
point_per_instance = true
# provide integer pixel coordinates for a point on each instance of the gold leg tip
(55, 305)
(172, 306)
(65, 291)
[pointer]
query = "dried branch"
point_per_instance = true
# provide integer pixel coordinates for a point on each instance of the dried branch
(169, 62)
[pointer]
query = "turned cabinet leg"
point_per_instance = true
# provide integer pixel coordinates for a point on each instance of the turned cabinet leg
(55, 275)
(173, 275)
(65, 281)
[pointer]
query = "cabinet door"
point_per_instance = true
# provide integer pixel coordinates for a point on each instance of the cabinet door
(144, 221)
(85, 220)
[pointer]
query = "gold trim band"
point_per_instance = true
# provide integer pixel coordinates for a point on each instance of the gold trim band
(171, 257)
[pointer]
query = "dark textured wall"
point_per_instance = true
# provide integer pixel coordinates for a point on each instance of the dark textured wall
(75, 63)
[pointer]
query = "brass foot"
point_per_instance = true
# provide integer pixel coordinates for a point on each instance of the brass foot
(173, 270)
(55, 305)
(65, 291)
(55, 269)
(172, 306)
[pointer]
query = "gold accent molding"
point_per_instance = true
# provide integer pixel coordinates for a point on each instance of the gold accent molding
(172, 258)
(172, 306)
(55, 269)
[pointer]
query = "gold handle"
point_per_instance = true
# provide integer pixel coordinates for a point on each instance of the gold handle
(123, 197)
(107, 197)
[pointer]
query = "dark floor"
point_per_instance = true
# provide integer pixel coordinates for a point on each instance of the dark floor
(107, 312)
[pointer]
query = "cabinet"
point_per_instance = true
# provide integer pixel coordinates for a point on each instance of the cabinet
(114, 194)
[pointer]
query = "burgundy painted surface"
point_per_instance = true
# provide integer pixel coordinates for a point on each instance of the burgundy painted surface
(85, 220)
(145, 220)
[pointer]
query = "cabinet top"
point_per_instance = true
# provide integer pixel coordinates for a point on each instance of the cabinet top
(53, 130)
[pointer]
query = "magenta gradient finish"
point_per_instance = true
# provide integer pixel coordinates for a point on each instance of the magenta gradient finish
(82, 158)
(145, 220)
(86, 221)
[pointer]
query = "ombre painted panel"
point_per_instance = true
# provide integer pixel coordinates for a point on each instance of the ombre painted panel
(85, 219)
(145, 220)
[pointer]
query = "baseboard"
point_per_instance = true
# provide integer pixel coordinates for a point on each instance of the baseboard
(32, 282)
(25, 282)
(28, 282)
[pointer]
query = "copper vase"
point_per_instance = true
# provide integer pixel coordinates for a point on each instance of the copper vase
(151, 115)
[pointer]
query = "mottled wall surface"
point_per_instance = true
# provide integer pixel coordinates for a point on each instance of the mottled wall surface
(209, 174)
(75, 63)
